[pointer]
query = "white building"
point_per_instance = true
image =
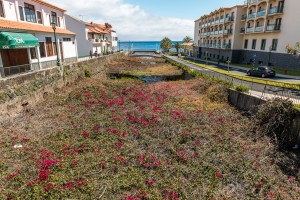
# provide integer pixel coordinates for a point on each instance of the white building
(97, 38)
(27, 37)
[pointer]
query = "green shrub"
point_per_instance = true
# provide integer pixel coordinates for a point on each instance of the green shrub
(241, 88)
(87, 73)
(274, 119)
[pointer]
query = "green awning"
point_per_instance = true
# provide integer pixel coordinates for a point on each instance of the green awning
(9, 40)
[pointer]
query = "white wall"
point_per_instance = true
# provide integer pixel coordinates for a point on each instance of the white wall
(84, 46)
(69, 50)
(11, 9)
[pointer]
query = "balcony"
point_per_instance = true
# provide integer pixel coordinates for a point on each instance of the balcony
(94, 40)
(221, 32)
(227, 31)
(243, 30)
(273, 27)
(217, 21)
(252, 15)
(212, 23)
(250, 30)
(226, 45)
(261, 13)
(229, 19)
(244, 17)
(252, 2)
(216, 32)
(222, 20)
(275, 10)
(259, 29)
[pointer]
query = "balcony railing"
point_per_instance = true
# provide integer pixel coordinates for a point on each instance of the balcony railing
(250, 30)
(221, 32)
(261, 13)
(217, 21)
(273, 27)
(275, 10)
(216, 32)
(227, 31)
(222, 20)
(244, 17)
(251, 16)
(259, 29)
(229, 19)
(243, 30)
(226, 45)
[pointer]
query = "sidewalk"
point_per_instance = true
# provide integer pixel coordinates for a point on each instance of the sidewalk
(240, 68)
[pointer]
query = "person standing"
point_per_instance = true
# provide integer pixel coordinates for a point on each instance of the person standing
(91, 54)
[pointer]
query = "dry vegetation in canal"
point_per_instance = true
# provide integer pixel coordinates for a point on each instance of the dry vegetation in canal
(125, 140)
(143, 67)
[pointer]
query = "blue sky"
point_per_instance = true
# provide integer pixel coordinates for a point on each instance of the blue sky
(145, 20)
(184, 9)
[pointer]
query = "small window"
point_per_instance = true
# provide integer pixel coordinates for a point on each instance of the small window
(29, 13)
(67, 39)
(39, 17)
(33, 53)
(1, 10)
(42, 49)
(254, 44)
(263, 44)
(58, 21)
(53, 17)
(246, 44)
(21, 13)
(274, 44)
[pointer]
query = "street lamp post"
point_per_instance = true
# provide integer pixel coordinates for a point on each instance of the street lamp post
(53, 23)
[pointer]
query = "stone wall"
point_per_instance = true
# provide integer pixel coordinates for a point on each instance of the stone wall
(248, 103)
(23, 90)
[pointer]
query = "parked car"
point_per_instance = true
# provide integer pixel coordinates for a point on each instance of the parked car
(261, 72)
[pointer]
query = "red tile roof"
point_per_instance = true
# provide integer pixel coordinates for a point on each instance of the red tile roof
(49, 5)
(7, 24)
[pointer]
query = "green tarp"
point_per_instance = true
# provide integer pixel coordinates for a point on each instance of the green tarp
(9, 40)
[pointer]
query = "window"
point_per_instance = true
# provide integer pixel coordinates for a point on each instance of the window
(67, 39)
(263, 44)
(49, 47)
(33, 53)
(1, 9)
(39, 17)
(254, 44)
(42, 49)
(246, 44)
(58, 21)
(21, 13)
(29, 13)
(274, 44)
(54, 48)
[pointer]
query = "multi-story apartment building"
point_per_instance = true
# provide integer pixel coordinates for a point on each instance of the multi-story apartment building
(99, 38)
(261, 30)
(26, 36)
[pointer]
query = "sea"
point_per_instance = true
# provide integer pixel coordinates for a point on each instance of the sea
(142, 45)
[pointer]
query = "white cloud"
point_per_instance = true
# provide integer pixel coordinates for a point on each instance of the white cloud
(130, 21)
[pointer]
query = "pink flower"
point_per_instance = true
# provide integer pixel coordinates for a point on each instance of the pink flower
(85, 134)
(141, 159)
(48, 187)
(197, 143)
(119, 145)
(44, 174)
(124, 134)
(219, 175)
(68, 185)
(48, 163)
(150, 182)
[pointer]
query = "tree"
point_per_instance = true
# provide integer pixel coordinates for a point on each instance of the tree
(294, 50)
(177, 46)
(166, 44)
(187, 39)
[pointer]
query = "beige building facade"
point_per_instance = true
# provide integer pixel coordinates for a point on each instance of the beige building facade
(256, 32)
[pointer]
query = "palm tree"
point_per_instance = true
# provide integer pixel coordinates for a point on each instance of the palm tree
(166, 44)
(187, 39)
(177, 46)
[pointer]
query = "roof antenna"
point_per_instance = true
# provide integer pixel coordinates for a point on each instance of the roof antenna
(82, 17)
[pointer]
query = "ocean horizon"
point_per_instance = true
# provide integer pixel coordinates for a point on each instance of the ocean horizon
(141, 45)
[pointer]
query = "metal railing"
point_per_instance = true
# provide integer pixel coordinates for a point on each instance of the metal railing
(259, 29)
(251, 16)
(275, 10)
(250, 30)
(261, 13)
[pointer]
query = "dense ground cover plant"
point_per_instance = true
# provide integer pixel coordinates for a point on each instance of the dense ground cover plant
(126, 140)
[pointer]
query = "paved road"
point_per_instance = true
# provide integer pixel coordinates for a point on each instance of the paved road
(278, 91)
(242, 71)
